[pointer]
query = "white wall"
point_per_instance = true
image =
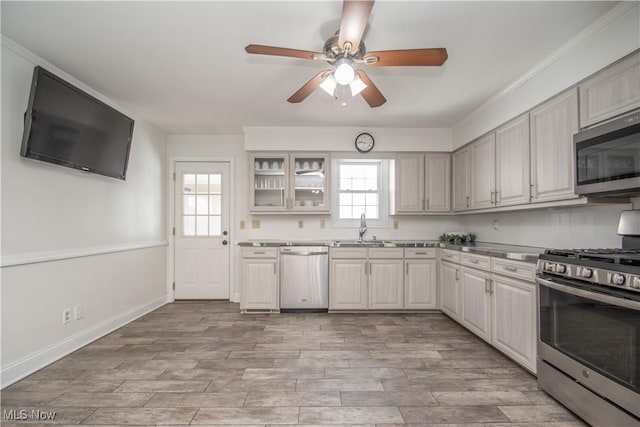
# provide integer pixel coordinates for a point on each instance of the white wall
(576, 227)
(73, 238)
(342, 138)
(610, 38)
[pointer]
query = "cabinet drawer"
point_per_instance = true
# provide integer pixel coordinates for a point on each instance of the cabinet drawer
(450, 255)
(349, 253)
(516, 269)
(387, 253)
(260, 252)
(420, 252)
(476, 261)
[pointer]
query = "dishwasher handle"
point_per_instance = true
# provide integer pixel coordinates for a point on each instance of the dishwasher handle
(304, 253)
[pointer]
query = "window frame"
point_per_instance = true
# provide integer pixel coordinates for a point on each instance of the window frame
(383, 193)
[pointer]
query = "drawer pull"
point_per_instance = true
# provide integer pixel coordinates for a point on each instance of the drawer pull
(421, 253)
(510, 268)
(259, 253)
(473, 261)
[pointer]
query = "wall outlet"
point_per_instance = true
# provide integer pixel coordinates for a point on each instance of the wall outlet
(243, 225)
(255, 223)
(300, 223)
(78, 312)
(322, 223)
(396, 224)
(66, 316)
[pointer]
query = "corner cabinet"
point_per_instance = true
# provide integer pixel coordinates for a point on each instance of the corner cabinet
(552, 161)
(423, 183)
(289, 183)
(461, 179)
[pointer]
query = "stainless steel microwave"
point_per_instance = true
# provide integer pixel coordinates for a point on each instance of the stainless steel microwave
(608, 158)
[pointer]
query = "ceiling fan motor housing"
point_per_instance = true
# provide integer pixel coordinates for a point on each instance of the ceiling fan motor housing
(333, 50)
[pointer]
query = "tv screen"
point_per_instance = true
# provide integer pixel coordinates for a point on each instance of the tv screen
(67, 126)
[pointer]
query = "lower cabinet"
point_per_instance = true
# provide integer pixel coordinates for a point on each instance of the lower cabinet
(382, 279)
(514, 319)
(259, 279)
(476, 302)
(450, 289)
(348, 284)
(386, 284)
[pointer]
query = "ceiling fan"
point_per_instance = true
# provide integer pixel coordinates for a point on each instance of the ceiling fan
(344, 50)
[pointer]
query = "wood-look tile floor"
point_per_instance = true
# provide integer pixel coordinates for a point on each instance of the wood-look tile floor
(207, 364)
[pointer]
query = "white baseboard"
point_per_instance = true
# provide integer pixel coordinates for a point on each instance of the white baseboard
(38, 360)
(235, 297)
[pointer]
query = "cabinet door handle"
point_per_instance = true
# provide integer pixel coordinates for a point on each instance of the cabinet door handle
(487, 286)
(427, 205)
(497, 198)
(423, 205)
(457, 275)
(467, 201)
(369, 269)
(366, 268)
(531, 191)
(492, 197)
(406, 267)
(491, 286)
(510, 268)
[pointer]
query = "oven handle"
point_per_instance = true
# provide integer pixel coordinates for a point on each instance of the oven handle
(607, 299)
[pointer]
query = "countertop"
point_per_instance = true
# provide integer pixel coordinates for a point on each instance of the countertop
(516, 252)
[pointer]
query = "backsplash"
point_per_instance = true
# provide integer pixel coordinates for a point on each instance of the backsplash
(575, 227)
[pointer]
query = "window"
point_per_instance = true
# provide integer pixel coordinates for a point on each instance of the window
(361, 186)
(202, 204)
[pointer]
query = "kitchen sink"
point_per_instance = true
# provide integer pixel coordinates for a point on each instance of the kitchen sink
(363, 243)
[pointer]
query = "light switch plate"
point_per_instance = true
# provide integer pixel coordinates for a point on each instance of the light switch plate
(243, 225)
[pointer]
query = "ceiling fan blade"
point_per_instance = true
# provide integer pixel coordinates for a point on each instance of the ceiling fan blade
(355, 14)
(408, 57)
(283, 51)
(308, 87)
(371, 94)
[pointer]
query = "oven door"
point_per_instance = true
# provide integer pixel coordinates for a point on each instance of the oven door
(592, 337)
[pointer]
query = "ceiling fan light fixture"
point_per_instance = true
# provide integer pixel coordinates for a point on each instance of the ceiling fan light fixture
(357, 86)
(329, 84)
(344, 72)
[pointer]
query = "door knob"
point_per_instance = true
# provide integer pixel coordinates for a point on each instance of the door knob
(224, 242)
(225, 233)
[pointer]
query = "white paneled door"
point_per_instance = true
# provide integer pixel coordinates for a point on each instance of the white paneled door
(202, 230)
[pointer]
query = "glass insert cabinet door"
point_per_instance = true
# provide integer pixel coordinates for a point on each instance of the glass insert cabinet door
(270, 182)
(309, 182)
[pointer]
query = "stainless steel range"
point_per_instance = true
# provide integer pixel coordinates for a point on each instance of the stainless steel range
(589, 332)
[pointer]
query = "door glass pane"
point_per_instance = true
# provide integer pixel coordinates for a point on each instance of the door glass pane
(202, 226)
(215, 227)
(202, 205)
(215, 183)
(189, 205)
(202, 183)
(189, 183)
(189, 225)
(215, 205)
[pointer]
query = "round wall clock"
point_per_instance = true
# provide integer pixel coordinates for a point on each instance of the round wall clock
(364, 142)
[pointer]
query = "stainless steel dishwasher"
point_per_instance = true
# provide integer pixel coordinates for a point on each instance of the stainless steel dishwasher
(304, 278)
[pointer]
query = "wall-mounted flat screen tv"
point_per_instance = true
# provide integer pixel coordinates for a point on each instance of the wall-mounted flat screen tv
(67, 126)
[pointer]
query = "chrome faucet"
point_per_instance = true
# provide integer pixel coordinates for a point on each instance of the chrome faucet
(363, 227)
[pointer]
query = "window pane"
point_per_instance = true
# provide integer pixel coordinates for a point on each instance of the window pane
(345, 212)
(215, 207)
(202, 225)
(358, 184)
(202, 184)
(345, 183)
(215, 183)
(372, 212)
(215, 225)
(357, 211)
(188, 183)
(202, 205)
(372, 199)
(346, 199)
(358, 199)
(189, 226)
(345, 171)
(189, 205)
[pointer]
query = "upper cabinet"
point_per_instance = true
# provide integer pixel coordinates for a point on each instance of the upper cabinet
(613, 91)
(289, 183)
(483, 166)
(423, 183)
(461, 179)
(552, 162)
(512, 162)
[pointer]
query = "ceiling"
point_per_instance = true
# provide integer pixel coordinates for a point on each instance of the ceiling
(182, 65)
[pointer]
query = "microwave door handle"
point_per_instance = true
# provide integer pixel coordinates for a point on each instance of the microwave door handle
(607, 299)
